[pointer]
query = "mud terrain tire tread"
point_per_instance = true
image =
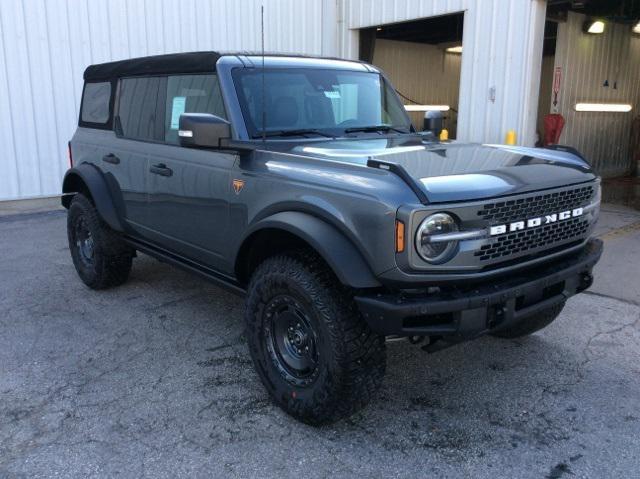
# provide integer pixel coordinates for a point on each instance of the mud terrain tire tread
(112, 256)
(355, 356)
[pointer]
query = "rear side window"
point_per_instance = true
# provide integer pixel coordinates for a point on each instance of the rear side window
(190, 94)
(138, 109)
(96, 101)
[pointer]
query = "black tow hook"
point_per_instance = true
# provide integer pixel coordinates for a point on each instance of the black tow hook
(586, 280)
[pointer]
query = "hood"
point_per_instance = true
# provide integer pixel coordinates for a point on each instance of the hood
(459, 171)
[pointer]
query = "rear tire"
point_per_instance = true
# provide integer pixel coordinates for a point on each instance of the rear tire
(530, 324)
(102, 259)
(314, 353)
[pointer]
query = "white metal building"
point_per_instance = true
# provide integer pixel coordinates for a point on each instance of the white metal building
(45, 46)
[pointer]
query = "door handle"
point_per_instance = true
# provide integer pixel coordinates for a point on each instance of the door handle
(161, 169)
(111, 158)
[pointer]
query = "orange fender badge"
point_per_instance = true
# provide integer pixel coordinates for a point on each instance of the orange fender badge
(237, 186)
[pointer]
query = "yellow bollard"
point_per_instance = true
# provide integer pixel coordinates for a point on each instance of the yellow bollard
(444, 134)
(510, 139)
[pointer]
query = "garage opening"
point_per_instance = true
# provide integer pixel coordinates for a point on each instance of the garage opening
(590, 83)
(422, 58)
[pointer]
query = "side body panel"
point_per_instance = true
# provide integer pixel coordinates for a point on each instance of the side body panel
(188, 211)
(359, 202)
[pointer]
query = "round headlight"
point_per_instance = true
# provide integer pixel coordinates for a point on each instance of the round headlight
(436, 251)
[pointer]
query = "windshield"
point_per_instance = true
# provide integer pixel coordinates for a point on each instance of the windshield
(325, 102)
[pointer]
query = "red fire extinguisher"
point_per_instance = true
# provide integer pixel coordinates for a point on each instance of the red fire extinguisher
(553, 125)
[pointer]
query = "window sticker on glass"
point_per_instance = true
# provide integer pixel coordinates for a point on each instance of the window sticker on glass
(332, 94)
(177, 109)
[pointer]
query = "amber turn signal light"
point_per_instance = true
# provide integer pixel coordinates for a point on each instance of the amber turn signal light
(399, 236)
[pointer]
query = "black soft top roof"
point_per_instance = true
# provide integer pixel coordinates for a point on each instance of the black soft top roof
(193, 62)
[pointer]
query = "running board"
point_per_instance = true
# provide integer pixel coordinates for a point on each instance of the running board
(173, 259)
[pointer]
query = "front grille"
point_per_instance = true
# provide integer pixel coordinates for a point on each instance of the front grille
(533, 240)
(537, 238)
(533, 206)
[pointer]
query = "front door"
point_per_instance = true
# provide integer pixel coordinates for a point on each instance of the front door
(188, 203)
(189, 189)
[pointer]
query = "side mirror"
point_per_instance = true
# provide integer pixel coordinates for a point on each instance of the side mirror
(203, 130)
(433, 122)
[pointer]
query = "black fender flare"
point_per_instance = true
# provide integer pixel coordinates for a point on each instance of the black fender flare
(334, 247)
(96, 183)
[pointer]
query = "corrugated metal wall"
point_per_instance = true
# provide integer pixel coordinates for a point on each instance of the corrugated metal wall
(502, 49)
(587, 61)
(46, 44)
(424, 73)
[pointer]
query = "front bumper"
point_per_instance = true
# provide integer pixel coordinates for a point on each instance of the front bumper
(465, 312)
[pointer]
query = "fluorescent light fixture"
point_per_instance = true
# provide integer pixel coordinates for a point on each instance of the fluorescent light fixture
(593, 26)
(457, 49)
(607, 107)
(636, 28)
(427, 107)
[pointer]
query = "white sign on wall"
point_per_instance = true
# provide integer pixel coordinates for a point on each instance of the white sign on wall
(557, 82)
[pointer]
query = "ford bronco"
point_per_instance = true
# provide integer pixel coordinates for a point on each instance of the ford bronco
(302, 184)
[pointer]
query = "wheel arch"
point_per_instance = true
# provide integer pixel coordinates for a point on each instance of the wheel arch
(293, 229)
(90, 181)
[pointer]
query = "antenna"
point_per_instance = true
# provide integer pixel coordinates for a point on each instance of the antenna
(264, 111)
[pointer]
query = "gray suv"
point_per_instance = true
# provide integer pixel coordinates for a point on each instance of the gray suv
(301, 183)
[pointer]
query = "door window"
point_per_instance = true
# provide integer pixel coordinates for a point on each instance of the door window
(190, 94)
(138, 109)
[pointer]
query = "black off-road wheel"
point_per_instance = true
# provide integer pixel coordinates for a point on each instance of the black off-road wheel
(102, 259)
(314, 353)
(530, 324)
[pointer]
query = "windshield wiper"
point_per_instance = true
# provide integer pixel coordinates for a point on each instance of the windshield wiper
(300, 132)
(374, 128)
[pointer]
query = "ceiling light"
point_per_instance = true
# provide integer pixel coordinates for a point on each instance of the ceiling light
(636, 28)
(457, 49)
(607, 107)
(593, 26)
(427, 107)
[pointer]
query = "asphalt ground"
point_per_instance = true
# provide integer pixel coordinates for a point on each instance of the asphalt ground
(153, 379)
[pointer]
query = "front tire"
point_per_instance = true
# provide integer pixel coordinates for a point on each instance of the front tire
(100, 256)
(314, 353)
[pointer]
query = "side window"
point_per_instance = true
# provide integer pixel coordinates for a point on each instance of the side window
(190, 94)
(137, 108)
(96, 99)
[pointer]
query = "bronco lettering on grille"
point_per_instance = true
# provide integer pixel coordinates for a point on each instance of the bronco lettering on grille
(534, 222)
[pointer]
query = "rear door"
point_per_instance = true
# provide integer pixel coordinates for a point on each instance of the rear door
(137, 125)
(189, 189)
